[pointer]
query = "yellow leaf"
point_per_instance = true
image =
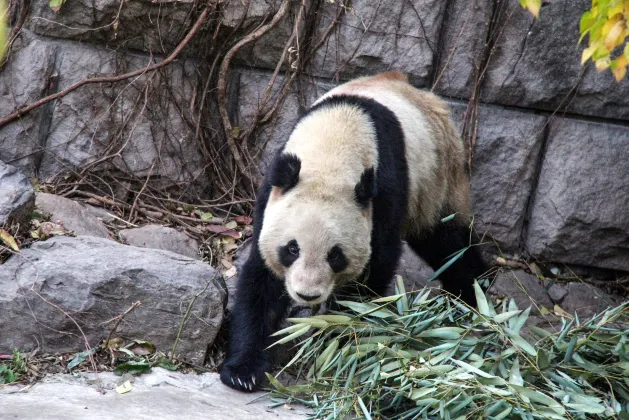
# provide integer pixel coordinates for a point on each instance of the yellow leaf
(619, 67)
(8, 240)
(558, 310)
(124, 388)
(587, 53)
(615, 9)
(609, 25)
(533, 6)
(619, 73)
(603, 64)
(615, 35)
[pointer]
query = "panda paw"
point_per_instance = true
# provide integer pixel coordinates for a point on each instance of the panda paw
(247, 376)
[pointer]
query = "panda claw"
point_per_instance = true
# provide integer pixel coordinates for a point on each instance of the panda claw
(253, 379)
(240, 382)
(233, 383)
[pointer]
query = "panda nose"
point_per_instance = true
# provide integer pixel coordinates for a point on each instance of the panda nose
(308, 298)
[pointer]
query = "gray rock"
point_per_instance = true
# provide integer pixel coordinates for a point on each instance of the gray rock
(161, 237)
(376, 36)
(133, 121)
(252, 85)
(141, 24)
(94, 280)
(74, 215)
(526, 289)
(587, 300)
(579, 213)
(17, 198)
(463, 42)
(106, 120)
(24, 79)
(503, 171)
(161, 394)
(414, 271)
(536, 63)
(557, 293)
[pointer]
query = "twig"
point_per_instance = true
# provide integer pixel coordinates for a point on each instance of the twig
(185, 316)
(222, 83)
(119, 319)
(111, 79)
(87, 344)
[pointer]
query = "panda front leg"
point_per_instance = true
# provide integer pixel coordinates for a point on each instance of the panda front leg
(260, 304)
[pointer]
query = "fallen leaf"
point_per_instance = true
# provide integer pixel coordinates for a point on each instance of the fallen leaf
(124, 388)
(229, 246)
(224, 231)
(226, 263)
(535, 269)
(231, 225)
(244, 220)
(8, 240)
(558, 310)
(141, 347)
(231, 272)
(134, 368)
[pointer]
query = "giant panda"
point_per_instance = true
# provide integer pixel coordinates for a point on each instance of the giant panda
(371, 162)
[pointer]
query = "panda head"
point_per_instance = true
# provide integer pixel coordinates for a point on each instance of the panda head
(316, 232)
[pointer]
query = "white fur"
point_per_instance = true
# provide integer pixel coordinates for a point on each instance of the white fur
(335, 145)
(421, 154)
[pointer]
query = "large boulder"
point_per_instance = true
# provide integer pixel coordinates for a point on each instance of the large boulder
(52, 288)
(16, 194)
(579, 213)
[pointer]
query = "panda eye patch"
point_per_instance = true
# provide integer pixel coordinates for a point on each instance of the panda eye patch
(337, 259)
(289, 253)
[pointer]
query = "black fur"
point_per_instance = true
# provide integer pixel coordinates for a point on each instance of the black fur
(286, 257)
(260, 304)
(366, 189)
(337, 259)
(261, 300)
(439, 245)
(284, 171)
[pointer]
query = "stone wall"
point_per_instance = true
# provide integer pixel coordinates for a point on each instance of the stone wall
(550, 173)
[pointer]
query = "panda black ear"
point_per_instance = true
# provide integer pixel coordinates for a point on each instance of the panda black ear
(285, 171)
(365, 190)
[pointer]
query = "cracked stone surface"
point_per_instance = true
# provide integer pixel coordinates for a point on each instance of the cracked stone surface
(503, 169)
(160, 394)
(93, 280)
(161, 237)
(75, 216)
(579, 214)
(16, 195)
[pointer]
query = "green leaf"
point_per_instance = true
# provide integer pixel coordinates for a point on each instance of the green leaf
(448, 218)
(446, 265)
(133, 368)
(481, 300)
(292, 336)
(521, 343)
(515, 378)
(79, 358)
(55, 5)
(445, 333)
(505, 316)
